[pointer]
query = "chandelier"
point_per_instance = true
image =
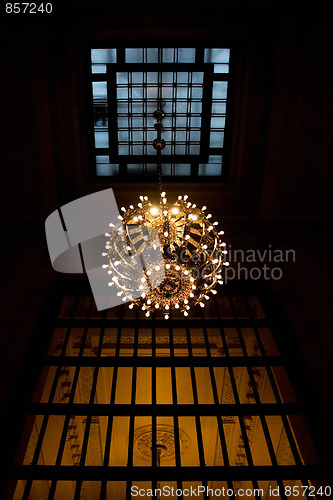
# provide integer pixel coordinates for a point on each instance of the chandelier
(191, 252)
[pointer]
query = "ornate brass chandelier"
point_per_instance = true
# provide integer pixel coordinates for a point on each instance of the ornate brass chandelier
(193, 253)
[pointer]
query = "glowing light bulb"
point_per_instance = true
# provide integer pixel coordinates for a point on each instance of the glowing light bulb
(116, 262)
(154, 211)
(143, 280)
(202, 304)
(119, 293)
(226, 263)
(186, 272)
(214, 292)
(221, 232)
(120, 217)
(185, 197)
(123, 209)
(111, 225)
(140, 205)
(223, 244)
(147, 314)
(215, 223)
(191, 295)
(131, 206)
(148, 301)
(215, 261)
(175, 211)
(185, 301)
(166, 233)
(163, 194)
(166, 316)
(177, 268)
(157, 306)
(193, 287)
(176, 306)
(185, 313)
(135, 219)
(180, 197)
(141, 198)
(167, 266)
(149, 273)
(124, 299)
(165, 212)
(104, 266)
(167, 307)
(164, 200)
(109, 272)
(157, 268)
(107, 234)
(146, 198)
(131, 306)
(110, 283)
(191, 279)
(187, 237)
(204, 207)
(209, 216)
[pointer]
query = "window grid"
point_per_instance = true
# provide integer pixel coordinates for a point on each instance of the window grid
(193, 85)
(70, 352)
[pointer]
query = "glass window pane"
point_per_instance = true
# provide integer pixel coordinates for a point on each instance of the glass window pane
(184, 385)
(186, 55)
(223, 385)
(101, 139)
(217, 122)
(96, 445)
(134, 55)
(102, 159)
(215, 159)
(168, 55)
(163, 386)
(143, 385)
(152, 55)
(189, 448)
(257, 441)
(84, 383)
(104, 385)
(220, 90)
(216, 139)
(197, 77)
(122, 78)
(99, 89)
(204, 385)
(124, 385)
(218, 108)
(221, 68)
(217, 55)
(134, 169)
(103, 169)
(279, 439)
(98, 68)
(211, 441)
(100, 56)
(181, 169)
(119, 440)
(208, 170)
